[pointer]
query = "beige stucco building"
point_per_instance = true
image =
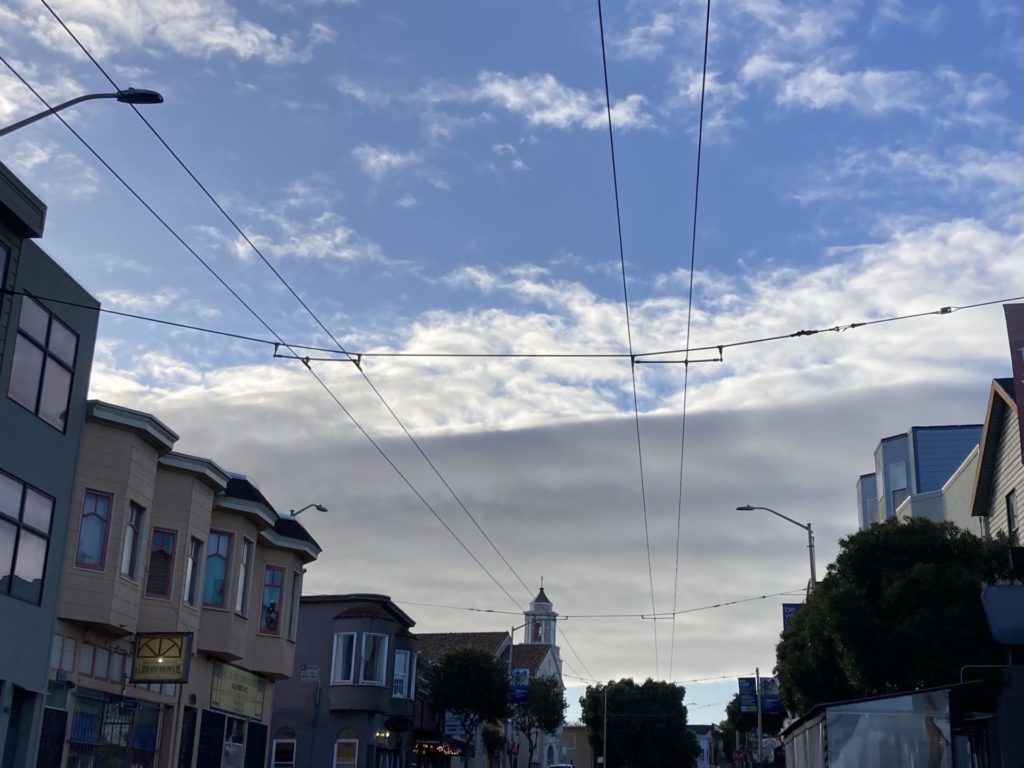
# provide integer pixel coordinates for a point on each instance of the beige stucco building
(174, 570)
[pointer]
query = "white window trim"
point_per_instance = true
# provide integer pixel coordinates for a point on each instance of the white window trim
(408, 669)
(334, 757)
(335, 680)
(245, 580)
(384, 656)
(293, 613)
(273, 752)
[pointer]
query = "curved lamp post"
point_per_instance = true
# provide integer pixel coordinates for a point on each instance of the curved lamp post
(807, 527)
(317, 507)
(126, 96)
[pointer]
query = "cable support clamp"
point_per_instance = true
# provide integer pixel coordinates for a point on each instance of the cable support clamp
(946, 310)
(358, 361)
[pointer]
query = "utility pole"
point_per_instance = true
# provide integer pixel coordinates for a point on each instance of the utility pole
(760, 733)
(604, 738)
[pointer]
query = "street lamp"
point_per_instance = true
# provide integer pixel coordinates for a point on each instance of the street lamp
(807, 527)
(317, 507)
(126, 96)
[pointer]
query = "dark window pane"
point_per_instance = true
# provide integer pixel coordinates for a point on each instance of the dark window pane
(38, 510)
(53, 405)
(33, 320)
(8, 533)
(90, 542)
(25, 373)
(10, 496)
(28, 571)
(213, 591)
(63, 343)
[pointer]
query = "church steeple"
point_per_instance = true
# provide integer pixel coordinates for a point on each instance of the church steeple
(541, 620)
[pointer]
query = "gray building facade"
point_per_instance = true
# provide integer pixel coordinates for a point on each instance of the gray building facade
(46, 351)
(351, 698)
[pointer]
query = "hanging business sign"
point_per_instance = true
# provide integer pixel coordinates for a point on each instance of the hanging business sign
(520, 685)
(162, 657)
(237, 691)
(788, 612)
(1015, 330)
(748, 694)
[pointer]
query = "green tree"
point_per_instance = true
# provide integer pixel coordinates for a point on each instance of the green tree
(899, 609)
(646, 724)
(473, 685)
(746, 722)
(543, 712)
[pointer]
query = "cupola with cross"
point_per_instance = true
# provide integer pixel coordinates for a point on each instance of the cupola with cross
(541, 620)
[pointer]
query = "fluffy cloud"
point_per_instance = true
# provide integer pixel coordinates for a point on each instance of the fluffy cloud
(200, 28)
(378, 162)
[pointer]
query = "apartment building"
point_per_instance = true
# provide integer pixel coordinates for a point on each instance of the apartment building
(178, 607)
(350, 703)
(47, 333)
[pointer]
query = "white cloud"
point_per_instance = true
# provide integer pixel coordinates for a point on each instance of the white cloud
(543, 101)
(407, 201)
(130, 301)
(871, 91)
(646, 41)
(53, 172)
(720, 100)
(378, 162)
(199, 28)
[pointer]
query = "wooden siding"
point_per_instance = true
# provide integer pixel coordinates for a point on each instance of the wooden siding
(1008, 475)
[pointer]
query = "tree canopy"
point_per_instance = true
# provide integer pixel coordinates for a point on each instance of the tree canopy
(899, 609)
(472, 684)
(646, 724)
(543, 712)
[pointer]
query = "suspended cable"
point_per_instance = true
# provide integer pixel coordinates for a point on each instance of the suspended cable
(264, 323)
(629, 330)
(689, 317)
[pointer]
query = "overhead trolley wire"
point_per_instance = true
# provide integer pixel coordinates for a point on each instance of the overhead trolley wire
(298, 298)
(493, 355)
(689, 317)
(629, 331)
(264, 323)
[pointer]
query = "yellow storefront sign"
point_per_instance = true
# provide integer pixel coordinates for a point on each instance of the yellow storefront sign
(237, 691)
(162, 657)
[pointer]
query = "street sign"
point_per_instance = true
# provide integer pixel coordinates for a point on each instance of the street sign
(309, 673)
(129, 703)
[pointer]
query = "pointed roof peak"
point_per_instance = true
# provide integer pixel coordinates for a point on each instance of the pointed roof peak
(541, 597)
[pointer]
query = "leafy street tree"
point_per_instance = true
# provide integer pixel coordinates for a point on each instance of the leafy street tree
(899, 609)
(543, 712)
(646, 724)
(473, 685)
(746, 722)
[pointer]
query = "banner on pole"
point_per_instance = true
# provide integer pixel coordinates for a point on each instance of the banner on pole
(770, 704)
(788, 612)
(748, 694)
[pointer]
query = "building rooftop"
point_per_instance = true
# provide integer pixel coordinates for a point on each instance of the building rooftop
(434, 645)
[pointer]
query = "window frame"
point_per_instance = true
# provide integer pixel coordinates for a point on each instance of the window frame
(351, 679)
(48, 357)
(246, 562)
(20, 525)
(274, 762)
(170, 569)
(293, 609)
(106, 531)
(382, 664)
(191, 594)
(334, 759)
(280, 600)
(137, 525)
(406, 675)
(226, 591)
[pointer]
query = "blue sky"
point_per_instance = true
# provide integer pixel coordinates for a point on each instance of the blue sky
(436, 176)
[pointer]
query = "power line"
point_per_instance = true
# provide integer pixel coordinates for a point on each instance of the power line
(689, 317)
(629, 331)
(298, 298)
(264, 323)
(494, 355)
